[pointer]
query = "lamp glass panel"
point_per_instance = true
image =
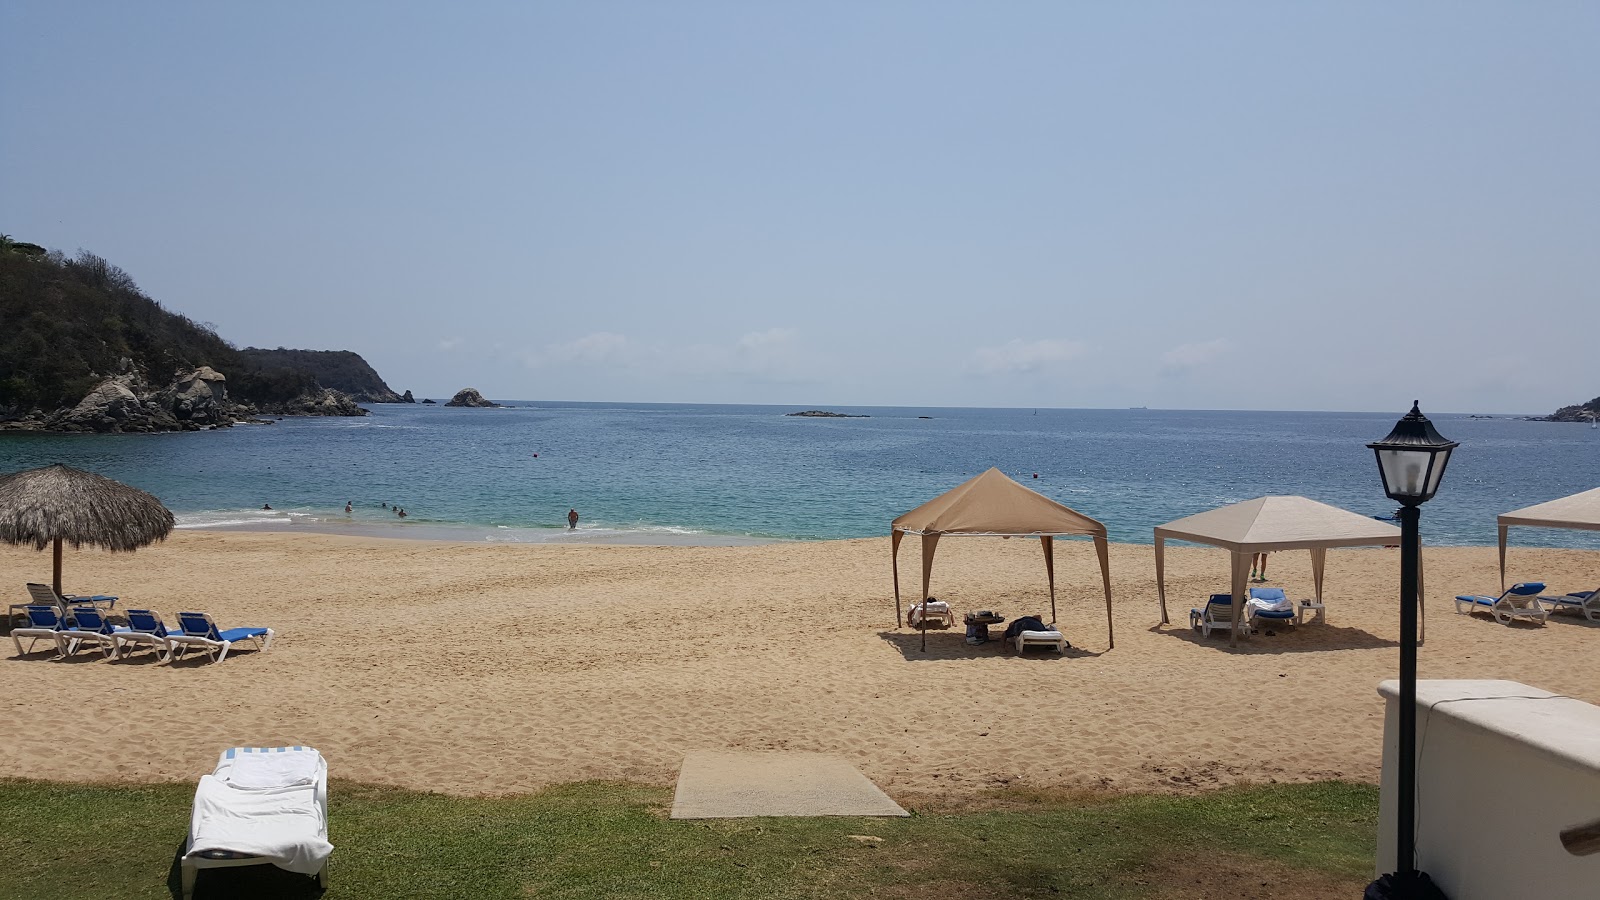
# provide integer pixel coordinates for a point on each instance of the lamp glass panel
(1437, 473)
(1405, 471)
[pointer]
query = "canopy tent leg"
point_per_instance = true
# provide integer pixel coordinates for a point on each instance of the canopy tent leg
(1503, 530)
(930, 542)
(1241, 576)
(1048, 543)
(1161, 576)
(894, 562)
(1103, 551)
(1319, 564)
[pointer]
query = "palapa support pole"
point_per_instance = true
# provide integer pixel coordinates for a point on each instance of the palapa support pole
(1503, 530)
(55, 580)
(1048, 543)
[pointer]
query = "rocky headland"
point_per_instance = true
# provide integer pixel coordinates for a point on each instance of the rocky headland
(471, 398)
(1580, 412)
(84, 350)
(825, 414)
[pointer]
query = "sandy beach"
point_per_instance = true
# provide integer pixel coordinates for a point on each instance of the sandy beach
(480, 669)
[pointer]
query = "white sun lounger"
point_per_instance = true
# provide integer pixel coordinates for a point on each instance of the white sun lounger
(1586, 603)
(1051, 638)
(262, 805)
(1521, 601)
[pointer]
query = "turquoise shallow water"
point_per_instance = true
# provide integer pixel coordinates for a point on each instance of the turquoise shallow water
(669, 473)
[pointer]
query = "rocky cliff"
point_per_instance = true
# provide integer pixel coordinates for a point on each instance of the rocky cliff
(341, 370)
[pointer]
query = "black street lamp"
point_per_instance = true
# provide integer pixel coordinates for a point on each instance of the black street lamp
(1411, 461)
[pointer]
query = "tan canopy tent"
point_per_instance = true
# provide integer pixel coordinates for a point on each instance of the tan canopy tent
(1581, 510)
(992, 505)
(1267, 524)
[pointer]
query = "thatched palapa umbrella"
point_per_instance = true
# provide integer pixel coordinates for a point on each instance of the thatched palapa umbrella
(59, 503)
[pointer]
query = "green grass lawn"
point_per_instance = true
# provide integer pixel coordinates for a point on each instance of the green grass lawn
(62, 842)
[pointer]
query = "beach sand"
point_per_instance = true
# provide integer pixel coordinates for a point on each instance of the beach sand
(480, 669)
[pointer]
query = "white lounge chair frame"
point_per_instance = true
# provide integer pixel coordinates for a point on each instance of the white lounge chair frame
(931, 611)
(190, 867)
(70, 640)
(1204, 622)
(1506, 608)
(1051, 638)
(160, 644)
(179, 643)
(35, 634)
(1588, 607)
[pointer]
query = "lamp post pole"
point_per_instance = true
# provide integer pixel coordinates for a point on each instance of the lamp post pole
(1411, 461)
(1410, 553)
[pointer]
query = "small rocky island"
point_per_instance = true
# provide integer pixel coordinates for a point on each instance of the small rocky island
(825, 414)
(470, 397)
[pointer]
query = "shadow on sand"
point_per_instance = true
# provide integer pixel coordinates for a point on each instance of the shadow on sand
(953, 644)
(1308, 638)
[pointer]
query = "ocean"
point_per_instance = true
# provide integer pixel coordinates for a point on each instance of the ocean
(716, 474)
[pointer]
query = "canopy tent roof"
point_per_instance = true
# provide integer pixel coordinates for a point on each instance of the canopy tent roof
(1267, 524)
(993, 504)
(1580, 510)
(1279, 523)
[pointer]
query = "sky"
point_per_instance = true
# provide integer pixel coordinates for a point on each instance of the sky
(1341, 206)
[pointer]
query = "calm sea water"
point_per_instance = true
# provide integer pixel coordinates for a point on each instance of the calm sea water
(712, 473)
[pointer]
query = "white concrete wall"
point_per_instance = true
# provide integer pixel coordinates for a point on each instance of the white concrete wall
(1502, 769)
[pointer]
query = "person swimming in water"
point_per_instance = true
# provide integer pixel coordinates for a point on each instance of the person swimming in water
(266, 506)
(347, 507)
(572, 520)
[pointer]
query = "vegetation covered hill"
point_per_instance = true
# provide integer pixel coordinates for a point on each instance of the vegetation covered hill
(69, 323)
(341, 370)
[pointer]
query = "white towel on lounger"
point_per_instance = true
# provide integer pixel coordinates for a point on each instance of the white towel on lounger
(274, 770)
(283, 825)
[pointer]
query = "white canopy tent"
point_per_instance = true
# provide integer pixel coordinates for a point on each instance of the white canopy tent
(1265, 525)
(1580, 510)
(992, 505)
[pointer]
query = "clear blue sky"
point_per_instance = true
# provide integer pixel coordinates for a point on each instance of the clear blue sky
(1209, 205)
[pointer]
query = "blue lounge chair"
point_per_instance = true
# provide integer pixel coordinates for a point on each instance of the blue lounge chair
(1278, 608)
(145, 628)
(198, 631)
(91, 628)
(1520, 602)
(1585, 602)
(1216, 615)
(43, 623)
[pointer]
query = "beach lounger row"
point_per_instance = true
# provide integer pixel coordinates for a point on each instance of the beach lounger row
(90, 629)
(1526, 601)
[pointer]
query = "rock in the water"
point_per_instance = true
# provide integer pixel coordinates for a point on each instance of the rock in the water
(825, 414)
(112, 404)
(198, 397)
(407, 398)
(327, 403)
(470, 397)
(430, 402)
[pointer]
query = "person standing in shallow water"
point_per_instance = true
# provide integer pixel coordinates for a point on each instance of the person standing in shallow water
(572, 520)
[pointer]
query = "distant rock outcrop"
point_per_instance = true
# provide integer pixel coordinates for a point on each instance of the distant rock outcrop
(430, 402)
(825, 414)
(471, 397)
(407, 398)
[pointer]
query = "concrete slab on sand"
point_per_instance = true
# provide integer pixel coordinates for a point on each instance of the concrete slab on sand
(722, 785)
